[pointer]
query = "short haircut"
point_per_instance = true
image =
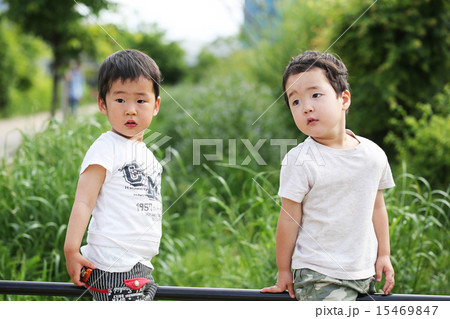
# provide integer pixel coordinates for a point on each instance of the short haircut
(127, 65)
(335, 70)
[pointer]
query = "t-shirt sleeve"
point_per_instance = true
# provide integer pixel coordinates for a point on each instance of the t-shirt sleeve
(294, 181)
(100, 153)
(386, 181)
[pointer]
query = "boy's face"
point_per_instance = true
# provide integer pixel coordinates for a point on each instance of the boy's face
(130, 107)
(316, 110)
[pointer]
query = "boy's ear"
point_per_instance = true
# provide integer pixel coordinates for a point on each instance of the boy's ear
(101, 105)
(156, 109)
(346, 100)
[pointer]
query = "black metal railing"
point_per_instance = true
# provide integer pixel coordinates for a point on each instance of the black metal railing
(9, 287)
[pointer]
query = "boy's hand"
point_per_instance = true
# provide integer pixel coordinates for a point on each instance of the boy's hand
(284, 282)
(384, 266)
(74, 263)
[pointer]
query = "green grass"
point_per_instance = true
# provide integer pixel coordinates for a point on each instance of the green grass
(219, 222)
(419, 229)
(36, 194)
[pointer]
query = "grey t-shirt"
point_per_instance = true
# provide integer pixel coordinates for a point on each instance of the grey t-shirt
(337, 189)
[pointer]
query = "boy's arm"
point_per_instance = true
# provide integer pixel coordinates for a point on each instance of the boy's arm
(89, 184)
(381, 225)
(287, 231)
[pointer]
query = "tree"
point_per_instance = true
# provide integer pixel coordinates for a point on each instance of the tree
(7, 67)
(59, 24)
(425, 145)
(398, 54)
(18, 70)
(169, 56)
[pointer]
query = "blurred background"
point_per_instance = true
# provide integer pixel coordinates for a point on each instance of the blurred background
(222, 63)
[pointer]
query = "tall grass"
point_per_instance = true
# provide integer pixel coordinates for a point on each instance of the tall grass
(218, 236)
(36, 194)
(226, 238)
(419, 229)
(219, 221)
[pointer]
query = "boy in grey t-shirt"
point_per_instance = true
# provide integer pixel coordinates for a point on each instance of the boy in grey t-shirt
(333, 228)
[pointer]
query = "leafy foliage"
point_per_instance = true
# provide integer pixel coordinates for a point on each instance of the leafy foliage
(425, 143)
(61, 28)
(21, 78)
(169, 56)
(6, 65)
(302, 25)
(398, 54)
(228, 108)
(23, 61)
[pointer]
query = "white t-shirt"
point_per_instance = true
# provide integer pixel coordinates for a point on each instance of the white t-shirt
(125, 227)
(337, 189)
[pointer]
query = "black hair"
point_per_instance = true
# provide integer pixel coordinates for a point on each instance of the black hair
(335, 70)
(127, 65)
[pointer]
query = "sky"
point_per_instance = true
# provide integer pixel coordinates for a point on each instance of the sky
(192, 23)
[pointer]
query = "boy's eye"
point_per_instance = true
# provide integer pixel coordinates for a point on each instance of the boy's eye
(295, 102)
(120, 100)
(316, 95)
(140, 101)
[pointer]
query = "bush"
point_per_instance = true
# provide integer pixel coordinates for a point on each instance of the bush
(397, 54)
(228, 108)
(23, 85)
(425, 143)
(300, 25)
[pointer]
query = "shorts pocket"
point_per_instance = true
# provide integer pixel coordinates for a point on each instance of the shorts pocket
(136, 283)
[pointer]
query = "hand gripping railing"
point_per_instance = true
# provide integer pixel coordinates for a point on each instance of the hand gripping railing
(186, 293)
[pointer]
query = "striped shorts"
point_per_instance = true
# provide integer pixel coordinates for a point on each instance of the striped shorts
(134, 285)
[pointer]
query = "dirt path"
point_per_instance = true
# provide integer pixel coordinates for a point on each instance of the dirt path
(10, 129)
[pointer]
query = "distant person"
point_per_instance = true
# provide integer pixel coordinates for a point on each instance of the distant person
(333, 228)
(120, 185)
(75, 80)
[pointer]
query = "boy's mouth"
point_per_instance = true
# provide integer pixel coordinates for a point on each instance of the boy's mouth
(130, 123)
(311, 120)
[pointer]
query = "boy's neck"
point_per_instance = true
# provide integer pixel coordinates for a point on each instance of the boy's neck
(136, 138)
(344, 140)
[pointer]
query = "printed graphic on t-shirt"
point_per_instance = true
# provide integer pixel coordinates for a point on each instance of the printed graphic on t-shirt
(137, 177)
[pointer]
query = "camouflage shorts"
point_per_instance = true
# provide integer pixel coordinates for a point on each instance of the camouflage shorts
(310, 285)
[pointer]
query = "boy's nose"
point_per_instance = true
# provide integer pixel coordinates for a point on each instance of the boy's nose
(131, 110)
(307, 108)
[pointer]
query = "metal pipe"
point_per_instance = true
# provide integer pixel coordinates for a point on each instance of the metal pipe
(10, 287)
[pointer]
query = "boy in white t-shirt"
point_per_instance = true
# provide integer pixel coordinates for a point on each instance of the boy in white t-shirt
(333, 228)
(119, 185)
